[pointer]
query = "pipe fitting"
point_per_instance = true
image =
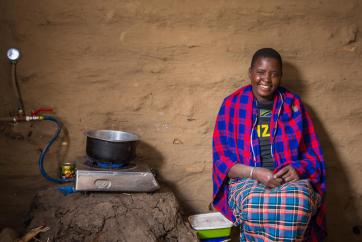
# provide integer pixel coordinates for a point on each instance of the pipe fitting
(18, 119)
(29, 118)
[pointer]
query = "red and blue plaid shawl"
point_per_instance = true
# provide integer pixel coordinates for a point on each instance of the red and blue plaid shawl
(293, 138)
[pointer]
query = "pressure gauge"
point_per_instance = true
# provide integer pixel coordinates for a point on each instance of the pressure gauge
(13, 54)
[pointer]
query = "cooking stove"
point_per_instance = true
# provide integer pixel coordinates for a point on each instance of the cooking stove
(135, 176)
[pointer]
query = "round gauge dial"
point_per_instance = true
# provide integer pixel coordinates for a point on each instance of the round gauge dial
(13, 54)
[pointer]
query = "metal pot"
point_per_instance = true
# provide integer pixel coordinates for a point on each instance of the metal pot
(111, 145)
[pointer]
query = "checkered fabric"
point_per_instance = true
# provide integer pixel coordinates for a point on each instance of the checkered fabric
(292, 137)
(278, 214)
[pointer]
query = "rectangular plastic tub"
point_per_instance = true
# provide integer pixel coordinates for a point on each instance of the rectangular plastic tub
(210, 225)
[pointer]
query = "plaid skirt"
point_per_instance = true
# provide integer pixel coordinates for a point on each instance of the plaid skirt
(278, 214)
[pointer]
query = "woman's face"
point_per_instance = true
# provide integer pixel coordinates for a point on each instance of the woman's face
(265, 76)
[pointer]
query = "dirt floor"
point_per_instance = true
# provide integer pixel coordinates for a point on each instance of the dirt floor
(161, 69)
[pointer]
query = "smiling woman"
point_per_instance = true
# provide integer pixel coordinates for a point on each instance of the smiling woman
(268, 169)
(265, 74)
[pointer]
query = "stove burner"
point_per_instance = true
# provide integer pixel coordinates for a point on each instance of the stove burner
(108, 165)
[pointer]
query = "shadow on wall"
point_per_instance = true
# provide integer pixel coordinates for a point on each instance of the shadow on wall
(342, 215)
(151, 156)
(148, 153)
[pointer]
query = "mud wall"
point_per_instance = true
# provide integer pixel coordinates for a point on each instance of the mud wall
(161, 69)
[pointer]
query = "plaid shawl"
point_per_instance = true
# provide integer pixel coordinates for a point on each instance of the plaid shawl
(293, 138)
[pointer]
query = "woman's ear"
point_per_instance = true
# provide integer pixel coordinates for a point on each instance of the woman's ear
(249, 73)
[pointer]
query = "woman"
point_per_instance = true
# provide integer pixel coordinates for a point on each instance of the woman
(268, 169)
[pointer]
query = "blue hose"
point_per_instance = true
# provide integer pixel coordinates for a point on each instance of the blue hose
(46, 148)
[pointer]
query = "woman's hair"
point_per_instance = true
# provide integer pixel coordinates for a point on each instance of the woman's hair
(267, 52)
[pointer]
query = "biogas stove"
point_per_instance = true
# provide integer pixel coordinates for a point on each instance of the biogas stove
(135, 176)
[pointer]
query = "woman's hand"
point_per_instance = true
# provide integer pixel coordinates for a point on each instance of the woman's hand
(266, 177)
(287, 173)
